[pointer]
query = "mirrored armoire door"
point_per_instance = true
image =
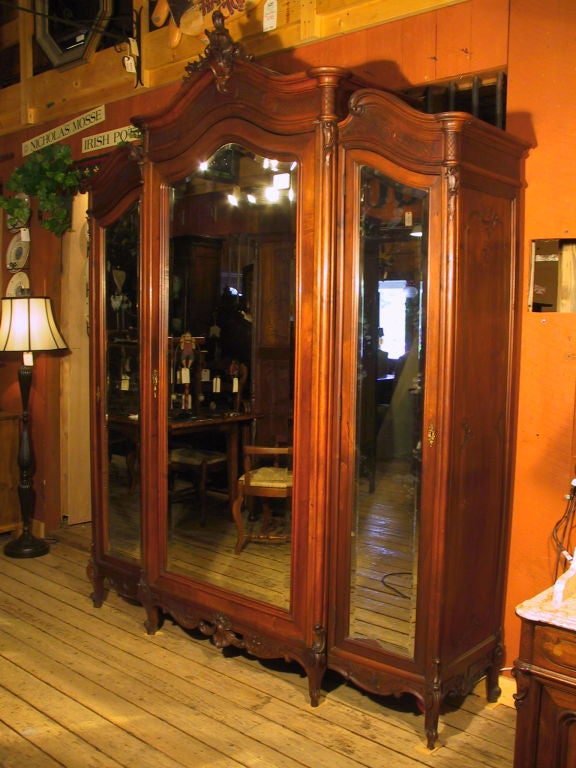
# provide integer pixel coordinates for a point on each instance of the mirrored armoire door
(235, 311)
(115, 375)
(231, 308)
(385, 316)
(428, 270)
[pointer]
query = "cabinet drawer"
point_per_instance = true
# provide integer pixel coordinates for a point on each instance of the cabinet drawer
(555, 649)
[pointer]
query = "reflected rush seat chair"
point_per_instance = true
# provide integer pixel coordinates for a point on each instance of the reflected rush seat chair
(271, 481)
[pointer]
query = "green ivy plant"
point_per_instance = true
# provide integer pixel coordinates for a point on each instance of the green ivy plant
(51, 177)
(17, 210)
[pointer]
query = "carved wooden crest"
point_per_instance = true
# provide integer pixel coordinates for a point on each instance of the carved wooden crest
(219, 54)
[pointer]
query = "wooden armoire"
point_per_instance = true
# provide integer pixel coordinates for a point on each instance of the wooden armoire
(366, 283)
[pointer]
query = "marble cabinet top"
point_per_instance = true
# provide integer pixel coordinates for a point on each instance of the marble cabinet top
(544, 608)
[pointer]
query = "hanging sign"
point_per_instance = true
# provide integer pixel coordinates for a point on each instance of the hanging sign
(270, 16)
(100, 141)
(54, 135)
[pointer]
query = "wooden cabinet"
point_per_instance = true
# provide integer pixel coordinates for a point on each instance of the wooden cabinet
(342, 228)
(195, 270)
(9, 438)
(545, 673)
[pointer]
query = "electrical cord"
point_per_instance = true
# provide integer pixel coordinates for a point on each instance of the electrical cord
(563, 531)
(393, 589)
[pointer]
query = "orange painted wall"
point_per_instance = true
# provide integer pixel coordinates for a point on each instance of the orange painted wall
(542, 109)
(464, 38)
(535, 39)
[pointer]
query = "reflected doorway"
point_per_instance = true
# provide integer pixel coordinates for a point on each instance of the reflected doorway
(553, 276)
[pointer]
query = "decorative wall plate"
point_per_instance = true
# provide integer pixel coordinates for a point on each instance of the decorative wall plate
(19, 284)
(17, 253)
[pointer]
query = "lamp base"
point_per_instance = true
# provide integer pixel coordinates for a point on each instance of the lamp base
(26, 545)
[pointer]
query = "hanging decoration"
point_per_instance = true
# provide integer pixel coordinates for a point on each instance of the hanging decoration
(187, 17)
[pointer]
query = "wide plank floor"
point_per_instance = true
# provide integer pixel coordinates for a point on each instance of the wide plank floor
(83, 687)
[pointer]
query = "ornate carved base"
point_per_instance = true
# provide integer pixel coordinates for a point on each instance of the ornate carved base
(220, 628)
(121, 579)
(431, 690)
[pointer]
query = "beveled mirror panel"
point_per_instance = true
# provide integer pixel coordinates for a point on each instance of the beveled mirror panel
(123, 383)
(230, 321)
(392, 274)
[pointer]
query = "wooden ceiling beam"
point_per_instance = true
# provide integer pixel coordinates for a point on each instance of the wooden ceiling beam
(58, 93)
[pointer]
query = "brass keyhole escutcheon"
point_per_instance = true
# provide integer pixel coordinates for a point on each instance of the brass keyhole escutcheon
(155, 378)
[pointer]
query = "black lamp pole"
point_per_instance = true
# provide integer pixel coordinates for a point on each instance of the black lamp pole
(26, 545)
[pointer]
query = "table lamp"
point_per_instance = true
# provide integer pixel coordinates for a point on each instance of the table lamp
(27, 325)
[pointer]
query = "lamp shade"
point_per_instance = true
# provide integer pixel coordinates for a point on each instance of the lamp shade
(27, 325)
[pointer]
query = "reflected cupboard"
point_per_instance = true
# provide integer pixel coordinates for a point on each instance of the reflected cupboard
(307, 267)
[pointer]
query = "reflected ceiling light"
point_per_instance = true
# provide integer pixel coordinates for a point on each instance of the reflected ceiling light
(281, 181)
(269, 164)
(234, 196)
(416, 230)
(203, 165)
(272, 194)
(251, 198)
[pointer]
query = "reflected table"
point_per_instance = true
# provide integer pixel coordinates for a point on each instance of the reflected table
(183, 424)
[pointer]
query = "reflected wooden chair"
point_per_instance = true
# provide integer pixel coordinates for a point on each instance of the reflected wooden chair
(121, 445)
(264, 478)
(199, 463)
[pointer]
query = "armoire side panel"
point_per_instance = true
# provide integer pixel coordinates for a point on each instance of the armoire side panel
(478, 482)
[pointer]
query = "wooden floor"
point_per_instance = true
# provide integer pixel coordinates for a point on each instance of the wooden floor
(82, 687)
(383, 574)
